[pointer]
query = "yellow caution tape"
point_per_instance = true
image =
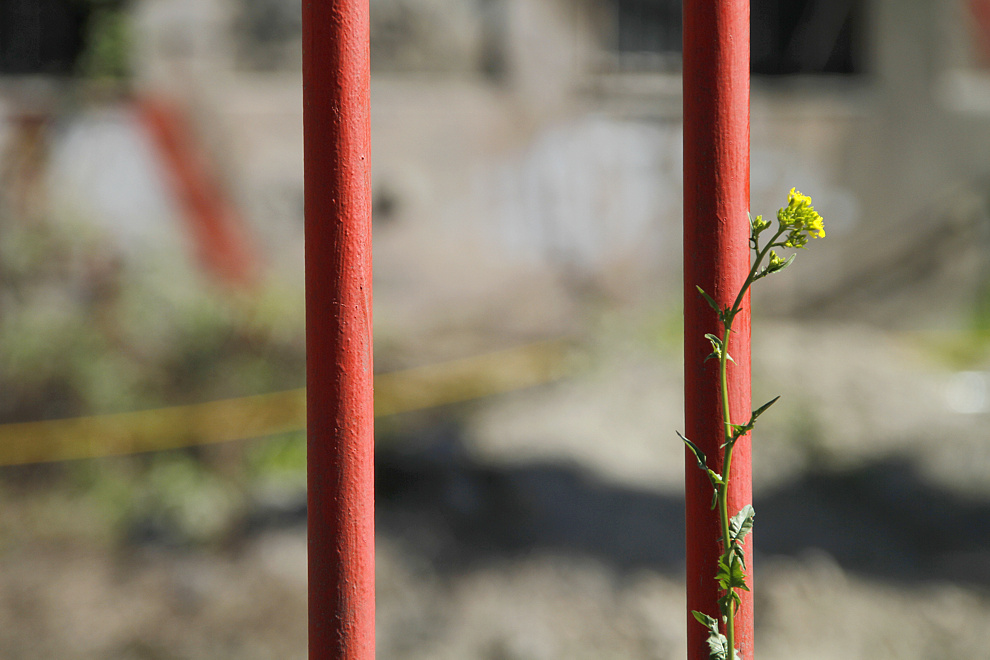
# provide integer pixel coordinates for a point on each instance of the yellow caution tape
(469, 378)
(278, 412)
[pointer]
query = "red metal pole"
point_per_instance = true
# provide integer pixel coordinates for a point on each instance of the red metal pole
(716, 258)
(340, 410)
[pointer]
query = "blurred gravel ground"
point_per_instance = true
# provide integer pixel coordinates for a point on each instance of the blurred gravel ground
(546, 524)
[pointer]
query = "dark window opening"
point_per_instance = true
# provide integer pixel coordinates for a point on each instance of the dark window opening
(41, 36)
(648, 26)
(807, 36)
(789, 37)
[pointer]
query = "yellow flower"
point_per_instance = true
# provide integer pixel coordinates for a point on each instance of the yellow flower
(817, 225)
(801, 218)
(796, 199)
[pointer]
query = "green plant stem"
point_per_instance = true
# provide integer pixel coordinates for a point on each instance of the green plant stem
(723, 489)
(801, 222)
(752, 273)
(723, 496)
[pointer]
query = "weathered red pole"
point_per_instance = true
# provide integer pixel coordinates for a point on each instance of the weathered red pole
(716, 258)
(340, 410)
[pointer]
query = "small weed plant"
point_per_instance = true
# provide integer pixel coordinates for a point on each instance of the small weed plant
(797, 223)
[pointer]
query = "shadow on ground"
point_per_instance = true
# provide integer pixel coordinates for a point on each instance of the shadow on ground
(880, 519)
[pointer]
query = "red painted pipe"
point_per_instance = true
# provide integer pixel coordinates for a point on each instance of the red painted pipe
(716, 258)
(340, 410)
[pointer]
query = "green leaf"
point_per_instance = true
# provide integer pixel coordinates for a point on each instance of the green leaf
(739, 430)
(776, 268)
(717, 481)
(730, 599)
(741, 524)
(716, 347)
(718, 645)
(711, 302)
(705, 620)
(730, 573)
(698, 454)
(714, 477)
(762, 409)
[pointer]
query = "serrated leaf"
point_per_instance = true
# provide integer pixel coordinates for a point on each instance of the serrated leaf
(730, 573)
(718, 647)
(741, 524)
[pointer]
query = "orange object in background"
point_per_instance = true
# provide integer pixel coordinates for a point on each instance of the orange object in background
(979, 10)
(219, 234)
(23, 163)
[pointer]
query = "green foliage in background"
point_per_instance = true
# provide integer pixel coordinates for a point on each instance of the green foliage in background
(87, 327)
(107, 54)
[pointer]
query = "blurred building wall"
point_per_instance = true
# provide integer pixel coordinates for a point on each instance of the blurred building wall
(546, 133)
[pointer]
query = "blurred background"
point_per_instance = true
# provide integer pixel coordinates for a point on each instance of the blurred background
(527, 186)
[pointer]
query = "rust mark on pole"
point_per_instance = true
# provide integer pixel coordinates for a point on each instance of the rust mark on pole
(716, 257)
(340, 409)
